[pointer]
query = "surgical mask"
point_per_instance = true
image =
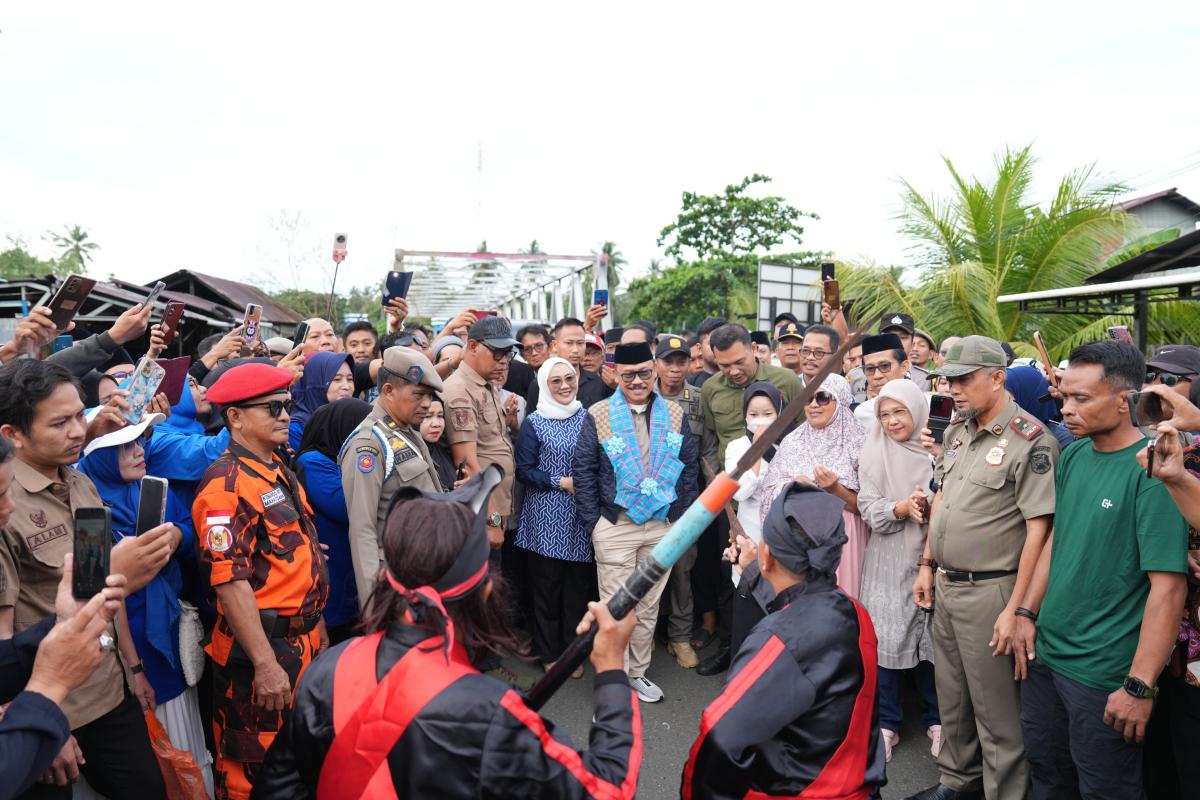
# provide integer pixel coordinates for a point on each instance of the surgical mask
(757, 423)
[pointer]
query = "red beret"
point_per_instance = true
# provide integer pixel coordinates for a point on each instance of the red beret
(247, 381)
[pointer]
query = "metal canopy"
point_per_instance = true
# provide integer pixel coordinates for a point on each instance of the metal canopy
(516, 284)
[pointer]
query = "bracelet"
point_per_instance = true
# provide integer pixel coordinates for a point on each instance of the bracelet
(137, 669)
(1027, 614)
(926, 562)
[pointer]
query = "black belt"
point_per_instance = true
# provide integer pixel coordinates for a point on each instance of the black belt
(971, 577)
(280, 627)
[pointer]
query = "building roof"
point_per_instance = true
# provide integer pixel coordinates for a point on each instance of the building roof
(229, 293)
(1175, 254)
(1171, 195)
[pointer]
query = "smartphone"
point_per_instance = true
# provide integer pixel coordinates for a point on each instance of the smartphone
(610, 358)
(93, 545)
(1047, 364)
(461, 471)
(154, 293)
(397, 285)
(250, 332)
(482, 314)
(1120, 333)
(832, 293)
(69, 299)
(941, 411)
(142, 385)
(339, 247)
(600, 297)
(827, 271)
(1146, 409)
(152, 504)
(299, 335)
(61, 343)
(170, 321)
(175, 373)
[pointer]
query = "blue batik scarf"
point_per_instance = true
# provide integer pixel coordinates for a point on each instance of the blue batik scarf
(643, 496)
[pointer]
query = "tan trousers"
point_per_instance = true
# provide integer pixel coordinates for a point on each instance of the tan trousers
(618, 549)
(980, 703)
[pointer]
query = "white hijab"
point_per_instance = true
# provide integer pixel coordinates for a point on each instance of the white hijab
(547, 406)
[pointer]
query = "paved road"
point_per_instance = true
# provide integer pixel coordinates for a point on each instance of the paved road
(669, 728)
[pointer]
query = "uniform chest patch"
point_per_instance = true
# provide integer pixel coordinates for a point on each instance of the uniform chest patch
(995, 456)
(38, 518)
(42, 538)
(273, 497)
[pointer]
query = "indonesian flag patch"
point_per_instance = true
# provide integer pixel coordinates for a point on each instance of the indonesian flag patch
(217, 534)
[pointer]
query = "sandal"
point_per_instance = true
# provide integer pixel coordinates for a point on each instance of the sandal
(702, 639)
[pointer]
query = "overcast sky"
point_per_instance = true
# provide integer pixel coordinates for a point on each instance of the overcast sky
(176, 133)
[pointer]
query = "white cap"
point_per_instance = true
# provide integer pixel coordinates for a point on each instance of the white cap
(124, 435)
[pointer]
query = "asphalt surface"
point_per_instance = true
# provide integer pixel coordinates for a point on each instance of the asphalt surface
(670, 727)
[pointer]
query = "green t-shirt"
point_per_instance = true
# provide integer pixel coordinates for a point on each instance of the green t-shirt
(1113, 525)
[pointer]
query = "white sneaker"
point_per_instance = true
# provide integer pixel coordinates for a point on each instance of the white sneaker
(646, 691)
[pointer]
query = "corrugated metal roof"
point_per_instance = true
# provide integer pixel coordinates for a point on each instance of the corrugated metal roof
(1171, 195)
(1175, 254)
(235, 294)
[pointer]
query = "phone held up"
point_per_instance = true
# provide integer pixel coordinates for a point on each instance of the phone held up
(397, 286)
(251, 322)
(68, 300)
(1120, 333)
(831, 293)
(152, 504)
(170, 321)
(93, 547)
(339, 247)
(941, 411)
(600, 297)
(299, 335)
(1147, 410)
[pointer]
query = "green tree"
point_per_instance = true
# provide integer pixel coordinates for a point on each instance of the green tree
(17, 262)
(75, 247)
(717, 241)
(988, 239)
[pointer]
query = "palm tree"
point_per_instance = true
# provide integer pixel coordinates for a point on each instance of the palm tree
(76, 249)
(986, 240)
(616, 260)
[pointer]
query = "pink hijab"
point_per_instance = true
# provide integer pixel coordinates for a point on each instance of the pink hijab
(836, 447)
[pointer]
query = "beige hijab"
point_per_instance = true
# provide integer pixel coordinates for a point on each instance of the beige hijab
(896, 467)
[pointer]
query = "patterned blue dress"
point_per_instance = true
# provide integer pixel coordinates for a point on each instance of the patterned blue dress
(545, 450)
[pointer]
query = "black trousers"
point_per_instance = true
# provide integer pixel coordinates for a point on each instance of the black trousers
(1172, 767)
(1072, 754)
(561, 591)
(120, 762)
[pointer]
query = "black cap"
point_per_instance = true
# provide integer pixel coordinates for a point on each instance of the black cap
(636, 353)
(880, 343)
(902, 321)
(1178, 359)
(613, 336)
(1009, 353)
(759, 337)
(670, 343)
(790, 330)
(786, 316)
(494, 332)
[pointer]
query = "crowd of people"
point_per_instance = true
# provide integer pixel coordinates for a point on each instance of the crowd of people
(362, 529)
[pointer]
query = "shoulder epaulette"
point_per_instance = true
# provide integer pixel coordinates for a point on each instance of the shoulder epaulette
(1027, 428)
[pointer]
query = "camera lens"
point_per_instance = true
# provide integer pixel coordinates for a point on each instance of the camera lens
(341, 238)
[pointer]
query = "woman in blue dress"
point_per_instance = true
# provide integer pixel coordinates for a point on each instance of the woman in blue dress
(562, 570)
(328, 377)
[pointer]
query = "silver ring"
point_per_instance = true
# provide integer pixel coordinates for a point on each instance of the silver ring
(107, 643)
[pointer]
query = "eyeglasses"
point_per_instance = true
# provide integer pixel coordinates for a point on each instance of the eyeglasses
(274, 407)
(120, 375)
(900, 413)
(531, 349)
(882, 366)
(808, 352)
(569, 380)
(822, 398)
(641, 375)
(1167, 378)
(499, 355)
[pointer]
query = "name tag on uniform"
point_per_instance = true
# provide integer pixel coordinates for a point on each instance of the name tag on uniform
(273, 497)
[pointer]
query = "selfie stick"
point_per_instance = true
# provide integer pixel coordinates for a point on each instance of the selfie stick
(684, 533)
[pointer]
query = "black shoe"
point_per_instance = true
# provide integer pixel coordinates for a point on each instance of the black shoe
(941, 792)
(716, 664)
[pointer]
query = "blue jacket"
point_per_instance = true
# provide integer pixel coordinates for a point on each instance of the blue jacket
(322, 480)
(34, 729)
(596, 486)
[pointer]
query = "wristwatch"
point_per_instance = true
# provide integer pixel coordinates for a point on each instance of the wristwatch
(1138, 688)
(494, 519)
(926, 562)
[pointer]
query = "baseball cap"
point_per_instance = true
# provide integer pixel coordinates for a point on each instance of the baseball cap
(494, 332)
(790, 330)
(671, 344)
(1178, 359)
(970, 354)
(279, 346)
(902, 321)
(593, 340)
(412, 366)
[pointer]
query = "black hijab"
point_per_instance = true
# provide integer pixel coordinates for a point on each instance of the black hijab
(772, 393)
(331, 425)
(91, 387)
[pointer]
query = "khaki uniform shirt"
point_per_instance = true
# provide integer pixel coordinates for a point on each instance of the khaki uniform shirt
(724, 415)
(992, 481)
(689, 400)
(40, 532)
(474, 413)
(370, 477)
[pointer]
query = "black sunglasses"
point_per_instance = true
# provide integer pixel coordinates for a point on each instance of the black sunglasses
(1167, 378)
(822, 398)
(274, 407)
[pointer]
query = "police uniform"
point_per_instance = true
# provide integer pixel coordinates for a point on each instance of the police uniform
(679, 587)
(992, 480)
(254, 524)
(795, 332)
(475, 413)
(378, 458)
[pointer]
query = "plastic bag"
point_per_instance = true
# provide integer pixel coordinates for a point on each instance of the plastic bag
(180, 773)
